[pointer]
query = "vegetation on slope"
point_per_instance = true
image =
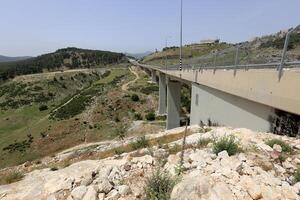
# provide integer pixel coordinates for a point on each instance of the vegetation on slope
(71, 58)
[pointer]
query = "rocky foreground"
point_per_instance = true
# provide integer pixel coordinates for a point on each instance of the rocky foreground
(256, 173)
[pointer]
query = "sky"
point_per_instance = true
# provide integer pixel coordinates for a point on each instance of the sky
(34, 27)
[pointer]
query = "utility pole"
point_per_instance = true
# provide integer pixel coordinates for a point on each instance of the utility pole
(180, 64)
(166, 57)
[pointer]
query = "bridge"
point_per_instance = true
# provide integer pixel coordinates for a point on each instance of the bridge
(238, 96)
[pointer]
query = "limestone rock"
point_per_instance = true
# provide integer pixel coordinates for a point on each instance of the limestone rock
(221, 192)
(123, 190)
(101, 196)
(105, 186)
(113, 195)
(252, 187)
(277, 148)
(78, 192)
(91, 194)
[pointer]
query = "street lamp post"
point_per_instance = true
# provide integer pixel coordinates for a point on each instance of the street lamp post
(180, 64)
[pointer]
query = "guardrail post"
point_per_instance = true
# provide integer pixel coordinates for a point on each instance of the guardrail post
(285, 47)
(236, 62)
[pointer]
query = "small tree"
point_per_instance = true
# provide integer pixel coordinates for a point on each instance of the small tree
(150, 116)
(135, 97)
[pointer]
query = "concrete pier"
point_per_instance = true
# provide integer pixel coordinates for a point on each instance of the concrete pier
(153, 76)
(226, 109)
(162, 106)
(173, 104)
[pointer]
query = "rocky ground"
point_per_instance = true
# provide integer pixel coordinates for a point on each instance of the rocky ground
(257, 172)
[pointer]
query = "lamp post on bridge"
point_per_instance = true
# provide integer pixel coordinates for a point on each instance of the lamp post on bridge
(180, 57)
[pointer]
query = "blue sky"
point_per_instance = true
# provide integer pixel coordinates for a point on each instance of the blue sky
(34, 27)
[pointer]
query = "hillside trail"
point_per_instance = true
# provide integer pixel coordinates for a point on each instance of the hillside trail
(137, 76)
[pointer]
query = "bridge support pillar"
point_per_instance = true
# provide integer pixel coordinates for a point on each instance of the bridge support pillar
(220, 108)
(173, 104)
(162, 106)
(153, 76)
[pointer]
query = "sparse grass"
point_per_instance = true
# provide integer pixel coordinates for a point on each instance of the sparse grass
(11, 177)
(226, 143)
(150, 116)
(159, 186)
(285, 147)
(140, 142)
(297, 175)
(203, 142)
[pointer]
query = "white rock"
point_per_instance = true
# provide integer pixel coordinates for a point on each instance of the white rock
(51, 197)
(144, 159)
(91, 194)
(221, 192)
(78, 192)
(193, 186)
(104, 186)
(223, 155)
(252, 187)
(101, 196)
(123, 190)
(113, 195)
(277, 148)
(287, 165)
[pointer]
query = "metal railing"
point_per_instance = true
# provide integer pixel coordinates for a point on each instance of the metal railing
(239, 60)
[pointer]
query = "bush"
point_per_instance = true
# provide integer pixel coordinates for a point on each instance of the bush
(297, 175)
(140, 142)
(43, 107)
(150, 116)
(159, 186)
(203, 142)
(285, 147)
(12, 177)
(135, 97)
(226, 143)
(138, 116)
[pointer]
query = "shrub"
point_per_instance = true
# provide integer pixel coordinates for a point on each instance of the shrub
(285, 147)
(297, 175)
(138, 116)
(140, 142)
(13, 177)
(135, 97)
(226, 143)
(150, 116)
(203, 142)
(159, 186)
(43, 107)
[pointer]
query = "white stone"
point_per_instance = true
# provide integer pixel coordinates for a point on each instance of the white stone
(221, 192)
(123, 190)
(113, 195)
(223, 155)
(78, 192)
(277, 148)
(252, 187)
(101, 196)
(104, 186)
(91, 194)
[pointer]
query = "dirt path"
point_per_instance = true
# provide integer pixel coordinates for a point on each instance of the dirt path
(125, 86)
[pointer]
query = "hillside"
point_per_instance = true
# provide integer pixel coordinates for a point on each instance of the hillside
(11, 59)
(264, 49)
(68, 58)
(41, 114)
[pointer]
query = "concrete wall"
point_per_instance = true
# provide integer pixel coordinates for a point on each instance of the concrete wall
(227, 109)
(173, 104)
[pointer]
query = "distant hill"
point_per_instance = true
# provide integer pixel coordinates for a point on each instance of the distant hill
(67, 58)
(139, 55)
(11, 59)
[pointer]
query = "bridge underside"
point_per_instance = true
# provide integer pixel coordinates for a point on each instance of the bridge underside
(208, 104)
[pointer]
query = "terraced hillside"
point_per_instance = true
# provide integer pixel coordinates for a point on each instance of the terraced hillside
(45, 113)
(260, 50)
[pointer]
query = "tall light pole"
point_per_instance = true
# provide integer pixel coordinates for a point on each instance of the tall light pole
(180, 64)
(166, 57)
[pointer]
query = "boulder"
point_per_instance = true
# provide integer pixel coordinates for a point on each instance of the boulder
(101, 196)
(91, 194)
(78, 192)
(253, 189)
(193, 186)
(277, 148)
(223, 155)
(123, 190)
(113, 195)
(221, 192)
(105, 186)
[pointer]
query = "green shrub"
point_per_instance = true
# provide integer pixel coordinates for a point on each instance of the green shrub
(150, 116)
(159, 186)
(203, 142)
(161, 117)
(297, 175)
(12, 177)
(226, 143)
(135, 97)
(138, 116)
(140, 142)
(285, 147)
(43, 107)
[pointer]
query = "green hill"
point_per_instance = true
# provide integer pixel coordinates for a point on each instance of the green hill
(68, 58)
